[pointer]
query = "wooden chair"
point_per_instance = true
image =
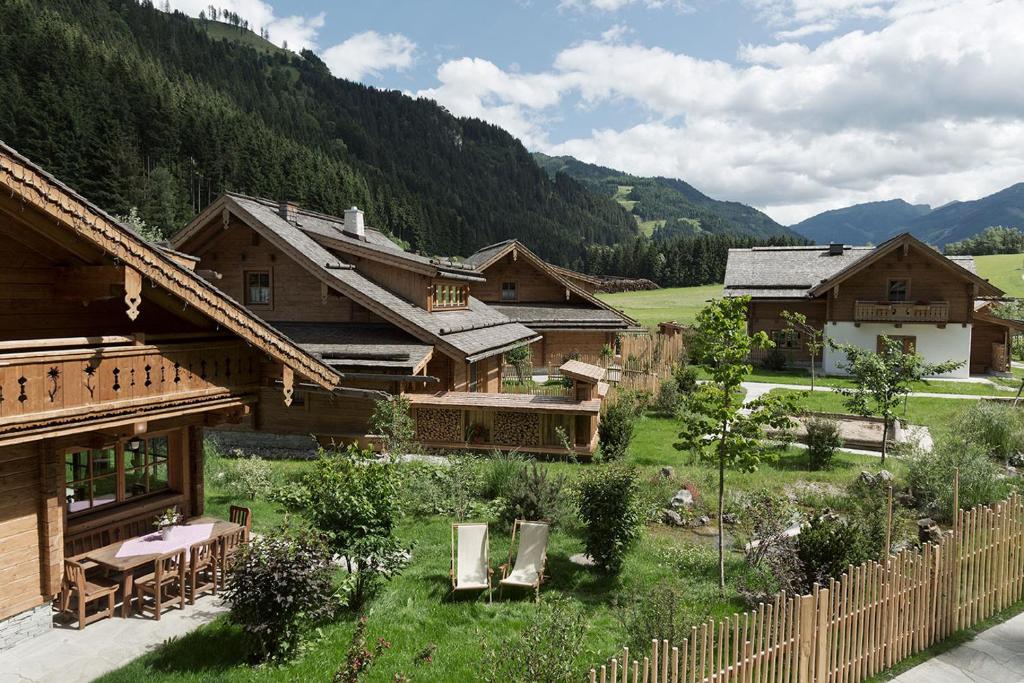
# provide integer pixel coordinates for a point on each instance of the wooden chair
(202, 568)
(168, 575)
(84, 591)
(230, 545)
(531, 559)
(242, 517)
(470, 567)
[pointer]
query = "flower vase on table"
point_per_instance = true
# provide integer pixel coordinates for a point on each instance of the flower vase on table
(167, 521)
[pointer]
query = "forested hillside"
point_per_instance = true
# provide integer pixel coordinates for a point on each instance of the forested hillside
(136, 107)
(667, 207)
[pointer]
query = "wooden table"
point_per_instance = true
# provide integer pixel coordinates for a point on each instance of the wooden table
(107, 557)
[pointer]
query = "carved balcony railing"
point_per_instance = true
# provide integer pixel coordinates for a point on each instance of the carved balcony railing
(901, 311)
(68, 383)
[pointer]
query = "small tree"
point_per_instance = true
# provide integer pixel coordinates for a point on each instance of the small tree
(813, 337)
(615, 430)
(609, 499)
(392, 420)
(521, 359)
(882, 380)
(353, 501)
(715, 425)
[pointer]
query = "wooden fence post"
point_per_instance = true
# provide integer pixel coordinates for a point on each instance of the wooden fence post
(805, 629)
(821, 648)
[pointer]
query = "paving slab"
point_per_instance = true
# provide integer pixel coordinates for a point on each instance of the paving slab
(67, 655)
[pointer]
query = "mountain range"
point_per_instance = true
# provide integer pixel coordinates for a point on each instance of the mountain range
(666, 207)
(875, 222)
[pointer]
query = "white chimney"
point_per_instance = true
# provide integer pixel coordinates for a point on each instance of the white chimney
(288, 211)
(354, 223)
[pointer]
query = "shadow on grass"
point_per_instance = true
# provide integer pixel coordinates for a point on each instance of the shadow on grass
(214, 648)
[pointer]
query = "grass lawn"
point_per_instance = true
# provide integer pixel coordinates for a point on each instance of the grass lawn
(414, 611)
(935, 413)
(935, 386)
(1005, 271)
(659, 305)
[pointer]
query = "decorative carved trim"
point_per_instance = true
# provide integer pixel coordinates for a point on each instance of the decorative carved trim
(132, 291)
(288, 380)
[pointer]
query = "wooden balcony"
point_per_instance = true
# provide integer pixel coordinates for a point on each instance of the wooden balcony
(523, 422)
(48, 387)
(901, 312)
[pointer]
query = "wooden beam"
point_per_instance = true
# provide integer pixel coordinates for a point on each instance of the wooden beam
(132, 292)
(45, 235)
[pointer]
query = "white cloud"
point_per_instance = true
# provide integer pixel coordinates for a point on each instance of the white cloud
(616, 5)
(806, 30)
(299, 32)
(927, 107)
(369, 53)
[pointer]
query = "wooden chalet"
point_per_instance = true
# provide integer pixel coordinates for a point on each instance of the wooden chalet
(903, 289)
(114, 357)
(557, 303)
(386, 320)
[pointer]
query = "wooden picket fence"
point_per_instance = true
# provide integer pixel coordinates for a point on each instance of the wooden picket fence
(873, 616)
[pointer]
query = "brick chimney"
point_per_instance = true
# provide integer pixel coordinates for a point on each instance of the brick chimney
(354, 223)
(288, 211)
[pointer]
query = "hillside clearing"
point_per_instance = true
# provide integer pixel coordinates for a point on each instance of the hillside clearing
(1005, 271)
(674, 303)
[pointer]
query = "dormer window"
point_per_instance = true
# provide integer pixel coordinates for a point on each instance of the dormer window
(899, 290)
(449, 297)
(257, 288)
(508, 291)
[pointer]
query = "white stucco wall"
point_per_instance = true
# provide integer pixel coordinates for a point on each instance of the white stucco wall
(935, 344)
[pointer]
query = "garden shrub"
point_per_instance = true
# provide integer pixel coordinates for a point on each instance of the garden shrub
(823, 440)
(775, 359)
(930, 476)
(423, 487)
(686, 377)
(535, 495)
(293, 496)
(248, 477)
(827, 544)
(998, 427)
(609, 506)
(773, 558)
(615, 430)
(498, 472)
(669, 399)
(868, 504)
(281, 586)
(353, 501)
(544, 652)
(659, 612)
(392, 421)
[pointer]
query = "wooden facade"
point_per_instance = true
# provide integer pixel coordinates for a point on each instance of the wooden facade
(114, 356)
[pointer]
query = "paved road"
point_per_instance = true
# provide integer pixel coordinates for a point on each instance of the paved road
(994, 656)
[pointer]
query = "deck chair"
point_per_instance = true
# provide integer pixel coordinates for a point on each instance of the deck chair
(471, 568)
(531, 560)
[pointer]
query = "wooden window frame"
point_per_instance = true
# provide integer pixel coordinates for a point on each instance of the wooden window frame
(515, 291)
(269, 272)
(902, 338)
(888, 289)
(120, 493)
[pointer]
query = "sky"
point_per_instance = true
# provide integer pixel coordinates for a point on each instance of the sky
(792, 106)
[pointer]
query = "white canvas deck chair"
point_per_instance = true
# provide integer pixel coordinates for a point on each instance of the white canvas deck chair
(471, 567)
(531, 560)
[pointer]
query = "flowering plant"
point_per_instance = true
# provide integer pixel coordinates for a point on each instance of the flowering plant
(168, 518)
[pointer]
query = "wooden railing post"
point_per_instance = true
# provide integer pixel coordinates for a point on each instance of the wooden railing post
(805, 632)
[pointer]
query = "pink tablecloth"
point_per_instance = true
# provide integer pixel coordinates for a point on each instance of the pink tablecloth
(180, 538)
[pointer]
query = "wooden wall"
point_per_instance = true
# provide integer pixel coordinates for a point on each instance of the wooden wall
(983, 336)
(30, 527)
(297, 295)
(405, 283)
(928, 282)
(533, 285)
(558, 345)
(766, 316)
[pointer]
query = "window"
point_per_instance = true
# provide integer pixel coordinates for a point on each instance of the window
(508, 291)
(473, 377)
(787, 339)
(898, 290)
(115, 474)
(257, 288)
(907, 343)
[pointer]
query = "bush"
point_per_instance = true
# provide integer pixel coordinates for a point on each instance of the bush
(615, 430)
(775, 359)
(669, 399)
(498, 472)
(660, 612)
(392, 420)
(544, 652)
(930, 476)
(686, 377)
(280, 587)
(997, 427)
(353, 501)
(293, 496)
(827, 544)
(773, 558)
(823, 440)
(534, 495)
(609, 505)
(248, 477)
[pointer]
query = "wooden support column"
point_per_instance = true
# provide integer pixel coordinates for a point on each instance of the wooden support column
(51, 519)
(194, 450)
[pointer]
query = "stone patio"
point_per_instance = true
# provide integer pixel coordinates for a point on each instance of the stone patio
(66, 655)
